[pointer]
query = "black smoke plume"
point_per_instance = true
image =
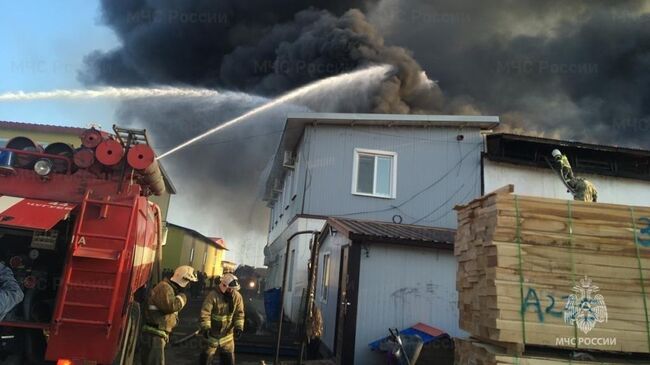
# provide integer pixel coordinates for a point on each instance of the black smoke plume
(571, 69)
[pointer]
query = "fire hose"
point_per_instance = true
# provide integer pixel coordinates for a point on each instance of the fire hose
(182, 340)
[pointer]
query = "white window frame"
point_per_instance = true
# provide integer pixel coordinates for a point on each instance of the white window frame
(355, 172)
(325, 279)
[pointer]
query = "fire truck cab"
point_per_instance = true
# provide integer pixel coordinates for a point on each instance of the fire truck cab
(82, 240)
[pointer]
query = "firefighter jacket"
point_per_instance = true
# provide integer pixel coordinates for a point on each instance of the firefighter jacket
(584, 190)
(10, 293)
(163, 305)
(221, 314)
(565, 168)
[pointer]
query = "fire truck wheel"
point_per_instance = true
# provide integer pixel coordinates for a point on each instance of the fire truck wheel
(126, 353)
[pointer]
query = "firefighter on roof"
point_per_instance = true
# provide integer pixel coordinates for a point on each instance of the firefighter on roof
(563, 163)
(161, 314)
(222, 321)
(581, 189)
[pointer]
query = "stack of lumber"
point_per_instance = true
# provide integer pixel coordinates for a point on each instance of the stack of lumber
(477, 353)
(521, 258)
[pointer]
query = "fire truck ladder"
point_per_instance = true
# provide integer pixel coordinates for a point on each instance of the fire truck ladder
(128, 138)
(83, 255)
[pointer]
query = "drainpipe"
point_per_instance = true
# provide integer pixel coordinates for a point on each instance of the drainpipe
(284, 285)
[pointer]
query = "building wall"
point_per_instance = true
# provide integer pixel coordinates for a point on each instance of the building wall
(173, 248)
(545, 183)
(179, 246)
(434, 173)
(38, 137)
(400, 286)
(275, 256)
(332, 246)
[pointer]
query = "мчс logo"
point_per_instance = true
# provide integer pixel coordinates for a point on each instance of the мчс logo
(584, 308)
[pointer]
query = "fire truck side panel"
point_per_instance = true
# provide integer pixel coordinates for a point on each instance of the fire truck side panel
(100, 276)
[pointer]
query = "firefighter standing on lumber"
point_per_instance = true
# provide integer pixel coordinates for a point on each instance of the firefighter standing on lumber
(161, 314)
(581, 189)
(222, 321)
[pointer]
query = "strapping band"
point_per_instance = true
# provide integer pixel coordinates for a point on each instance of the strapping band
(521, 270)
(573, 262)
(638, 258)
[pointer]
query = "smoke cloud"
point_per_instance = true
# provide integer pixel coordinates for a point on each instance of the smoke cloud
(569, 69)
(575, 70)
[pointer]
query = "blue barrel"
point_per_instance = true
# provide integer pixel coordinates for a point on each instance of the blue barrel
(272, 299)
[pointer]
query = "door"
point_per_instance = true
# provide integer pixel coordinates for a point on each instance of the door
(344, 347)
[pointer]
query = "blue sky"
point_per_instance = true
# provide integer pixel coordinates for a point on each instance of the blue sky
(43, 45)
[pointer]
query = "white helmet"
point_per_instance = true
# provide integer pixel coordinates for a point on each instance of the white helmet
(556, 153)
(230, 280)
(183, 275)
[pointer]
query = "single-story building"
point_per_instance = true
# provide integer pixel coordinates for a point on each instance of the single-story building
(186, 246)
(375, 275)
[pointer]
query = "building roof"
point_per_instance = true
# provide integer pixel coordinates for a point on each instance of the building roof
(73, 131)
(383, 232)
(220, 242)
(584, 157)
(210, 241)
(43, 128)
(296, 122)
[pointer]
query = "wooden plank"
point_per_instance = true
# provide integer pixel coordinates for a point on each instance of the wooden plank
(560, 242)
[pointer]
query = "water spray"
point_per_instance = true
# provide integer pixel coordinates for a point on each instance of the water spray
(110, 93)
(370, 72)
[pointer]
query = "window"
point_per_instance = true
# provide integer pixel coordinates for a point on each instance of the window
(292, 259)
(325, 277)
(375, 173)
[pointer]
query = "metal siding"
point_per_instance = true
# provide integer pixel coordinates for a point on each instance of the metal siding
(424, 156)
(295, 206)
(331, 245)
(276, 252)
(543, 182)
(401, 286)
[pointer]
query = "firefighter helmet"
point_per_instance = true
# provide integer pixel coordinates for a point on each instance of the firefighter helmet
(183, 275)
(230, 281)
(556, 153)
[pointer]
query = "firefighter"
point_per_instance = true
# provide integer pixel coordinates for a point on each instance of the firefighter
(10, 292)
(583, 190)
(222, 321)
(161, 314)
(563, 163)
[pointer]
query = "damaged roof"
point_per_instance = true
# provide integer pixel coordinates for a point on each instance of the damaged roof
(384, 232)
(584, 157)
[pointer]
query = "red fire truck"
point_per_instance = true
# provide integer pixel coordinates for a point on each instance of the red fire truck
(83, 241)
